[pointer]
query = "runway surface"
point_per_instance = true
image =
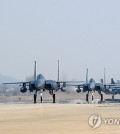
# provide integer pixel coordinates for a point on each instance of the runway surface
(70, 114)
(61, 98)
(56, 118)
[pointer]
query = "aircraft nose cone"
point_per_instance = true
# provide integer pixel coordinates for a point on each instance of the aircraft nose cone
(92, 86)
(39, 84)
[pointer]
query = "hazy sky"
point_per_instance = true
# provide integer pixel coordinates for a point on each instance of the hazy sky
(80, 33)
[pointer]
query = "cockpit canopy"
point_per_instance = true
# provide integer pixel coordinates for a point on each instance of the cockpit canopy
(91, 80)
(39, 76)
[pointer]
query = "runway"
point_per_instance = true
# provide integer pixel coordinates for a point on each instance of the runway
(56, 118)
(61, 98)
(70, 114)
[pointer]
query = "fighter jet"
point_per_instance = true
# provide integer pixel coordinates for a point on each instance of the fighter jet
(113, 89)
(90, 86)
(39, 83)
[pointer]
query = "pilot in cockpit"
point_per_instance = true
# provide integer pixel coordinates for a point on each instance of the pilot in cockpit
(39, 76)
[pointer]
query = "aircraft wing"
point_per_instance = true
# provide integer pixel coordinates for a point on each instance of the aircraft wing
(16, 83)
(113, 85)
(72, 83)
(109, 85)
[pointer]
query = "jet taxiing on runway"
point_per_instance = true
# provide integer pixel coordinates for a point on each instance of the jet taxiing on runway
(40, 84)
(90, 86)
(113, 89)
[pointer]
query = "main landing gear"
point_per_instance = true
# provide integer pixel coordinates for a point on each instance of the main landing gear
(101, 95)
(53, 95)
(41, 97)
(92, 96)
(53, 98)
(113, 97)
(87, 96)
(35, 96)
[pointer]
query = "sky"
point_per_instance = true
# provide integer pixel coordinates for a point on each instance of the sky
(80, 33)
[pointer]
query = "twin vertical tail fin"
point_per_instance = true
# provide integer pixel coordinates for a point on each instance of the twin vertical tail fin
(58, 71)
(104, 76)
(58, 79)
(102, 81)
(112, 81)
(87, 75)
(35, 71)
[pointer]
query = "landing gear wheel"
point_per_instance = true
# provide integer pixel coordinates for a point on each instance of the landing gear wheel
(92, 98)
(41, 98)
(87, 97)
(53, 98)
(35, 96)
(101, 97)
(113, 97)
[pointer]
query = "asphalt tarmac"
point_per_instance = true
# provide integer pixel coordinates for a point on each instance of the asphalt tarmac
(70, 114)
